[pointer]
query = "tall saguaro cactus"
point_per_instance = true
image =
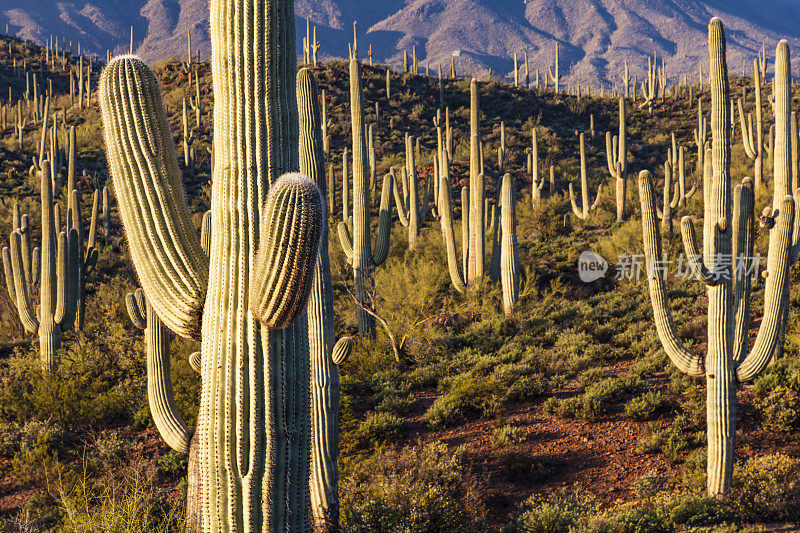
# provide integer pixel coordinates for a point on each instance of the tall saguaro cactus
(247, 303)
(509, 260)
(325, 357)
(754, 142)
(728, 232)
(359, 247)
(617, 157)
(477, 189)
(58, 278)
(586, 208)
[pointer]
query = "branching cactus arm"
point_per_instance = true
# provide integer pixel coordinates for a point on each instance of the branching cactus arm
(164, 244)
(683, 359)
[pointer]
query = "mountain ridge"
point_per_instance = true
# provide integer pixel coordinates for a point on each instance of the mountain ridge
(595, 37)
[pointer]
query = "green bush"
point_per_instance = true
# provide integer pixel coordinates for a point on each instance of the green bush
(423, 488)
(767, 488)
(467, 398)
(595, 401)
(508, 434)
(646, 406)
(378, 428)
(558, 512)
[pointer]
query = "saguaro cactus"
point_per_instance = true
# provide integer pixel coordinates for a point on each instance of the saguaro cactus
(458, 273)
(586, 208)
(509, 260)
(409, 210)
(537, 182)
(58, 277)
(617, 157)
(254, 436)
(324, 355)
(477, 188)
(754, 143)
(728, 234)
(359, 246)
(160, 395)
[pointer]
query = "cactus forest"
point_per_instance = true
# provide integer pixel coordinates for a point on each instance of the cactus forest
(275, 290)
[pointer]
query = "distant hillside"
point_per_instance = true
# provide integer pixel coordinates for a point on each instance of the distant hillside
(595, 36)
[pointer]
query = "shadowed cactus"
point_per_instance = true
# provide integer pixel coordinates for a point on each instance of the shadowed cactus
(57, 262)
(728, 232)
(254, 431)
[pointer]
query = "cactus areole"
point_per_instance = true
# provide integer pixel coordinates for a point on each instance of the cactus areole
(253, 431)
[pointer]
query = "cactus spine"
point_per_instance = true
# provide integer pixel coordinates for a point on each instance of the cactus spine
(160, 396)
(727, 320)
(586, 208)
(254, 421)
(58, 277)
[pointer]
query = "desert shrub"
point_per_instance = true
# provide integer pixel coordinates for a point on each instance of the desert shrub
(558, 512)
(595, 401)
(780, 409)
(467, 398)
(130, 503)
(528, 387)
(508, 435)
(767, 488)
(646, 406)
(393, 401)
(379, 428)
(423, 488)
(673, 440)
(777, 395)
(592, 375)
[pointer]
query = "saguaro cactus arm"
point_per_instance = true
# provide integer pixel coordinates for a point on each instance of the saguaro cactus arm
(683, 359)
(164, 245)
(289, 238)
(446, 211)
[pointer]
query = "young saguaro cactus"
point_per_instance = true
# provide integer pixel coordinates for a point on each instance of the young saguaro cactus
(58, 277)
(586, 208)
(728, 233)
(617, 157)
(247, 302)
(160, 395)
(325, 356)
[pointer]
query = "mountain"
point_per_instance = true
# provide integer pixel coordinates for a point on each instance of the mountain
(595, 36)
